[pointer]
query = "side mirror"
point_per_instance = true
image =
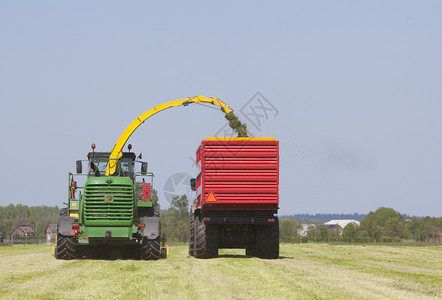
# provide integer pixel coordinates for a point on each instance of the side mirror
(79, 167)
(144, 167)
(193, 184)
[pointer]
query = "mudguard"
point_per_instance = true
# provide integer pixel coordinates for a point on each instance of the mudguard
(151, 227)
(64, 225)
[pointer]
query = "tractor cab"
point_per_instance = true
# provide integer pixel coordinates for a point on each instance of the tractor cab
(98, 164)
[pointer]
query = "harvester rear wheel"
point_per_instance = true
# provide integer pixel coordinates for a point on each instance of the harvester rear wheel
(267, 241)
(66, 248)
(150, 250)
(191, 234)
(206, 236)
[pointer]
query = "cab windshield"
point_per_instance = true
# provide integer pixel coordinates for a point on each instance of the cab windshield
(98, 167)
(126, 167)
(100, 164)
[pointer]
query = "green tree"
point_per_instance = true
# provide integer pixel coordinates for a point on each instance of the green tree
(312, 231)
(414, 228)
(289, 229)
(394, 228)
(323, 229)
(351, 230)
(38, 216)
(429, 228)
(175, 220)
(154, 197)
(424, 229)
(375, 222)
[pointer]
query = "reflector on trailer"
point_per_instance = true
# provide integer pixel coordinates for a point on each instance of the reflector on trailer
(211, 198)
(271, 220)
(206, 219)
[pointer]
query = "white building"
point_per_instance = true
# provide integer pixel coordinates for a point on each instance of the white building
(304, 230)
(339, 225)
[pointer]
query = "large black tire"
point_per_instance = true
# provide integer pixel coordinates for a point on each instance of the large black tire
(267, 241)
(206, 236)
(191, 234)
(251, 250)
(66, 248)
(150, 249)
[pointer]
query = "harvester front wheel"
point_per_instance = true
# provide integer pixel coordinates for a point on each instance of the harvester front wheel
(66, 248)
(150, 250)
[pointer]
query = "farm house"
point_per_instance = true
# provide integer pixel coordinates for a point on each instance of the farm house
(22, 229)
(51, 232)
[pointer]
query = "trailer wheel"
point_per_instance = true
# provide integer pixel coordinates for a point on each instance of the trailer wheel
(267, 241)
(66, 248)
(150, 249)
(191, 234)
(250, 251)
(206, 236)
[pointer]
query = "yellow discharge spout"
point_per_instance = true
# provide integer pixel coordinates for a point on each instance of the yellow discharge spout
(118, 148)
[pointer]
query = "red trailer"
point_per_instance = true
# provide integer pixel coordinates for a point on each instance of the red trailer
(236, 197)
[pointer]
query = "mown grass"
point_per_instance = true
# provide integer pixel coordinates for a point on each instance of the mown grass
(304, 271)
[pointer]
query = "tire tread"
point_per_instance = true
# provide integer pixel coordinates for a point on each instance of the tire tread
(206, 236)
(66, 248)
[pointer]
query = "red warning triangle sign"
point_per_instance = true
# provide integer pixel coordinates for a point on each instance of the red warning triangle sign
(211, 198)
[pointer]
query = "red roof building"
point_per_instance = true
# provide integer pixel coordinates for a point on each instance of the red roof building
(22, 229)
(51, 232)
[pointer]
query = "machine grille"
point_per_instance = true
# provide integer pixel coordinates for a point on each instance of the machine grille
(104, 202)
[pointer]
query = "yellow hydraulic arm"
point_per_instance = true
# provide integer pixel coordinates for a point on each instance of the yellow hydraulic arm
(117, 150)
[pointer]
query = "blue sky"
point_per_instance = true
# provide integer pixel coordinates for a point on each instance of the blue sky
(356, 89)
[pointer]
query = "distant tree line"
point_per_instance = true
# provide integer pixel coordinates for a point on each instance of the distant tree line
(175, 220)
(386, 222)
(382, 225)
(38, 216)
(321, 218)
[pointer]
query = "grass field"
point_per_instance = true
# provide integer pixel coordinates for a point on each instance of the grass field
(304, 271)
